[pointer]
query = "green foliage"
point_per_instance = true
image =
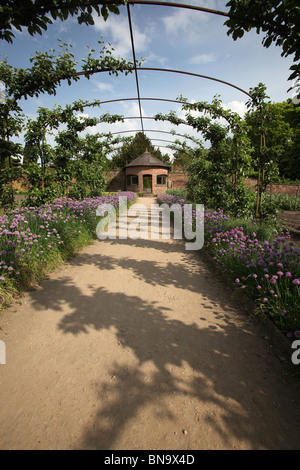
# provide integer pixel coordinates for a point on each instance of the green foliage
(281, 124)
(81, 159)
(267, 169)
(184, 154)
(50, 171)
(277, 19)
(47, 72)
(210, 183)
(49, 69)
(177, 192)
(263, 230)
(42, 187)
(7, 176)
(216, 178)
(284, 202)
(37, 15)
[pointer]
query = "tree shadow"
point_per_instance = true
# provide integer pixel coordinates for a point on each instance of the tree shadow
(225, 377)
(222, 369)
(189, 274)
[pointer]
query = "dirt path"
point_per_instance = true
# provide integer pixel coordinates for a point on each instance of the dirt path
(135, 344)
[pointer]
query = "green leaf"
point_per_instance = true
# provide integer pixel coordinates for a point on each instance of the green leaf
(104, 12)
(113, 9)
(267, 41)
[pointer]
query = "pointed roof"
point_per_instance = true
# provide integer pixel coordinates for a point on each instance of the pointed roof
(147, 159)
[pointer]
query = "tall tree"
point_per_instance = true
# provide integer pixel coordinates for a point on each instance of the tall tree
(283, 135)
(138, 145)
(184, 154)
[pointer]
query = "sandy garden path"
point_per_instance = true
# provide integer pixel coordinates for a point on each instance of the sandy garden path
(135, 344)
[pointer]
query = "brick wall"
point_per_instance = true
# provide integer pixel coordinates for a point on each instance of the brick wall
(178, 180)
(116, 180)
(140, 171)
(290, 189)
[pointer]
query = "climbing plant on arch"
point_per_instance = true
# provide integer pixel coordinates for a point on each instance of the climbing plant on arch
(47, 72)
(50, 170)
(218, 179)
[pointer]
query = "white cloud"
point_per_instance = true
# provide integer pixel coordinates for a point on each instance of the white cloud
(82, 116)
(236, 106)
(202, 59)
(117, 28)
(102, 86)
(151, 57)
(184, 24)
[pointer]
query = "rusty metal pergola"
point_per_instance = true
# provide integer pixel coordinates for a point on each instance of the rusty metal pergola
(136, 69)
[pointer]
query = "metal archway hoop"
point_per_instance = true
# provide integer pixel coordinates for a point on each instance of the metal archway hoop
(155, 69)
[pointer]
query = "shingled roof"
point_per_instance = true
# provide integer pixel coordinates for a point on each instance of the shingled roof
(147, 159)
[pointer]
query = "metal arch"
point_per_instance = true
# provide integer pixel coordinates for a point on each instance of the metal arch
(155, 69)
(153, 3)
(194, 75)
(154, 130)
(163, 140)
(150, 130)
(135, 68)
(165, 70)
(153, 118)
(179, 5)
(145, 99)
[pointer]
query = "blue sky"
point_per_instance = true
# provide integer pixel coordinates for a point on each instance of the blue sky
(166, 37)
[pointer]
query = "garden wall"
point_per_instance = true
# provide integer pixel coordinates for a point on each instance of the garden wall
(116, 180)
(290, 189)
(178, 180)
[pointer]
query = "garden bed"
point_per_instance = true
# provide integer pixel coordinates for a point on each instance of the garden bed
(35, 240)
(266, 270)
(291, 221)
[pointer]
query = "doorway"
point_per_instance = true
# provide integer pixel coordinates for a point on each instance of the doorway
(147, 184)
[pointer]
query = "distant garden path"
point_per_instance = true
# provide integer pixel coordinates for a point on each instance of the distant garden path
(136, 344)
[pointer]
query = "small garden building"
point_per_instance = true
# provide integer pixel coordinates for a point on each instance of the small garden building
(147, 174)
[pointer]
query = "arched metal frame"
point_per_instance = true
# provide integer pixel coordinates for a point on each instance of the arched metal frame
(136, 69)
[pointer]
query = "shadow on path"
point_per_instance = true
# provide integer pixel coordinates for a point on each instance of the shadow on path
(232, 381)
